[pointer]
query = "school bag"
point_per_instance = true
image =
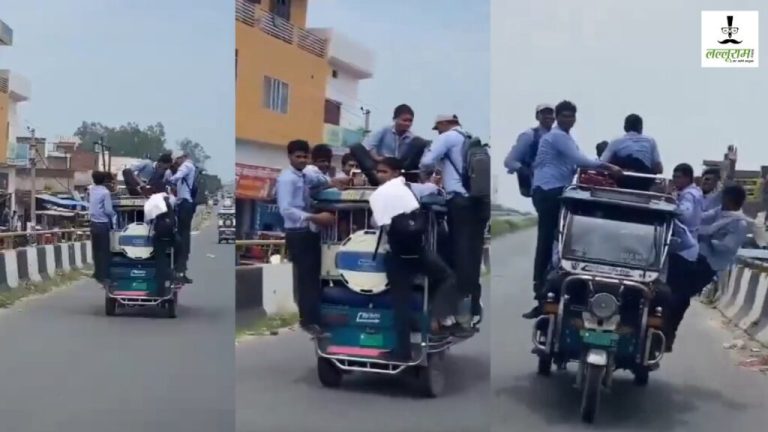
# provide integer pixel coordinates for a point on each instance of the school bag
(476, 175)
(525, 180)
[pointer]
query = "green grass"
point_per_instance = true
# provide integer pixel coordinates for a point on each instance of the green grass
(500, 227)
(269, 325)
(28, 289)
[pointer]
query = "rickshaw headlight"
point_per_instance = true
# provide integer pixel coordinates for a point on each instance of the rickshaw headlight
(604, 305)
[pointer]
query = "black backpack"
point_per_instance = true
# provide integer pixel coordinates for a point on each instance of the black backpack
(164, 225)
(197, 188)
(525, 181)
(406, 233)
(476, 175)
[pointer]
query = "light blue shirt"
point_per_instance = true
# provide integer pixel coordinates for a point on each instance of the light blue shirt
(144, 170)
(183, 180)
(720, 246)
(690, 203)
(447, 146)
(634, 144)
(714, 200)
(293, 195)
(100, 204)
(387, 142)
(522, 151)
(424, 189)
(557, 160)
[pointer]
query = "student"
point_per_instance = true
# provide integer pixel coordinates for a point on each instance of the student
(556, 163)
(710, 188)
(408, 256)
(301, 237)
(102, 214)
(182, 181)
(634, 152)
(719, 242)
(348, 163)
(321, 156)
(467, 216)
(151, 175)
(520, 158)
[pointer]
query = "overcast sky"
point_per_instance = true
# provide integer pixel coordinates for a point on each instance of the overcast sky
(115, 61)
(431, 54)
(612, 58)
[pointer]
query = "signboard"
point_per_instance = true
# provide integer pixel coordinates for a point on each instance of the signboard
(255, 182)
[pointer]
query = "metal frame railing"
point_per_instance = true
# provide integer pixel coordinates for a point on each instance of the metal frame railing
(13, 240)
(280, 28)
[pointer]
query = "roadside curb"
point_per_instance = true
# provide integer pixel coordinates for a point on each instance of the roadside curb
(743, 298)
(41, 263)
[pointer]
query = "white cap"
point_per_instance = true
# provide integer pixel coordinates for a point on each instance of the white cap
(541, 107)
(177, 154)
(444, 118)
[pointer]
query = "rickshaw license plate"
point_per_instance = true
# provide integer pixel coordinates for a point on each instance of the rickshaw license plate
(371, 340)
(604, 339)
(139, 286)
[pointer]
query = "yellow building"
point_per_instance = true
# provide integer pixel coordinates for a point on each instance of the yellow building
(282, 73)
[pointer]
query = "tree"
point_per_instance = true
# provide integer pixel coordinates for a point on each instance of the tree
(126, 140)
(195, 151)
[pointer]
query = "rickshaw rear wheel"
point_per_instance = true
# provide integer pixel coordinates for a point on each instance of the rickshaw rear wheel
(110, 306)
(329, 375)
(545, 365)
(170, 306)
(430, 379)
(642, 375)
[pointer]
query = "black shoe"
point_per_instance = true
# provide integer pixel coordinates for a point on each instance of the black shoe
(459, 331)
(314, 330)
(534, 313)
(185, 280)
(669, 344)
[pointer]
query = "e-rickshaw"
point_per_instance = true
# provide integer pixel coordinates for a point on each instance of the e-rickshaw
(135, 272)
(603, 309)
(356, 308)
(226, 217)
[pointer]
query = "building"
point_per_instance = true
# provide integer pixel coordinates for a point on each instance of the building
(281, 99)
(349, 63)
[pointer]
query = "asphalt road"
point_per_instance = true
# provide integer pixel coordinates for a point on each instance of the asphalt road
(699, 387)
(66, 367)
(278, 391)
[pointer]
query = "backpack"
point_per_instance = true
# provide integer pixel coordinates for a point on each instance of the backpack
(131, 182)
(406, 233)
(198, 185)
(476, 175)
(525, 181)
(164, 225)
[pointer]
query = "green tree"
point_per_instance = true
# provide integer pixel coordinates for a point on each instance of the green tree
(129, 139)
(195, 150)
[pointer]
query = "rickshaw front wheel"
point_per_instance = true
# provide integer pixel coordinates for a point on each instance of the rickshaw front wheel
(329, 375)
(110, 306)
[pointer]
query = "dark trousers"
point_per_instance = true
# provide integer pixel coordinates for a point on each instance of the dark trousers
(685, 280)
(410, 158)
(163, 273)
(100, 239)
(186, 211)
(401, 273)
(304, 250)
(467, 220)
(547, 204)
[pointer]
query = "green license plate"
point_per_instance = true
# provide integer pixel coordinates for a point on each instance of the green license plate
(139, 286)
(372, 340)
(603, 339)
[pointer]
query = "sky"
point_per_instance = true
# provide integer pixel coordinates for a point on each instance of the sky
(612, 58)
(430, 54)
(115, 61)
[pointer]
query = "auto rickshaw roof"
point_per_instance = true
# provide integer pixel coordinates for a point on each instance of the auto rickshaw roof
(621, 197)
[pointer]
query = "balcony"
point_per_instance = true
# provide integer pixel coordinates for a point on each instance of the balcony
(279, 28)
(341, 138)
(346, 54)
(6, 34)
(14, 85)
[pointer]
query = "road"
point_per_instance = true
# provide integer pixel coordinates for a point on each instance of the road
(66, 367)
(278, 391)
(699, 387)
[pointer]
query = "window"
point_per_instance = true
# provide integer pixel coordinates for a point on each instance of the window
(332, 113)
(276, 95)
(335, 73)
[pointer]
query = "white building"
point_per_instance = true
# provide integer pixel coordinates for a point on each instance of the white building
(350, 62)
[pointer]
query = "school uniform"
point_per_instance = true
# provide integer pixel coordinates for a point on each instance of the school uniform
(102, 214)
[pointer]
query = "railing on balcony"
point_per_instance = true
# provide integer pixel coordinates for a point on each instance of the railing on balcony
(279, 28)
(3, 84)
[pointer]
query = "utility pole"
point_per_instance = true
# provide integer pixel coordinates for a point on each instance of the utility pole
(367, 115)
(33, 175)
